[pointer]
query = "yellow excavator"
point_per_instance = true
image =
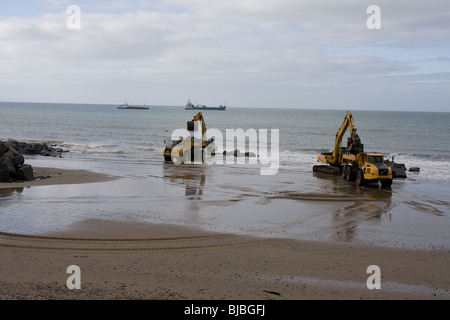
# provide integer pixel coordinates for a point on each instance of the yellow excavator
(184, 149)
(352, 162)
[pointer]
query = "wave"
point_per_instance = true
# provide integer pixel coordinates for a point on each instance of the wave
(432, 167)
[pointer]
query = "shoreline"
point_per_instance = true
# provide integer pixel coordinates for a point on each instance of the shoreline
(47, 176)
(125, 260)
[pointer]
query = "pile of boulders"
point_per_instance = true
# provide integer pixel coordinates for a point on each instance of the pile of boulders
(12, 165)
(238, 153)
(35, 148)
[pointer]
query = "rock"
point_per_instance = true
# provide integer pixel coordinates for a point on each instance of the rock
(18, 160)
(43, 149)
(7, 169)
(14, 155)
(25, 173)
(238, 153)
(12, 165)
(6, 164)
(4, 175)
(11, 152)
(414, 169)
(3, 148)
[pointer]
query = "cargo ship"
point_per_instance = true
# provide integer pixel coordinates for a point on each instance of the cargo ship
(191, 106)
(126, 106)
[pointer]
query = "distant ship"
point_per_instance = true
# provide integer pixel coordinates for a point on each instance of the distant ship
(191, 106)
(126, 106)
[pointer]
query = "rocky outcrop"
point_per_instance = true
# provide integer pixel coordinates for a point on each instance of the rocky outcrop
(12, 165)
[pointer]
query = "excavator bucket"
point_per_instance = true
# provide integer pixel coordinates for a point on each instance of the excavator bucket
(398, 169)
(191, 125)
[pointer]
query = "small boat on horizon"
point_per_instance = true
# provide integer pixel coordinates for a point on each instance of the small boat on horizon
(191, 106)
(126, 106)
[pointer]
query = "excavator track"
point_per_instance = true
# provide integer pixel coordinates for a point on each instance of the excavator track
(326, 169)
(51, 243)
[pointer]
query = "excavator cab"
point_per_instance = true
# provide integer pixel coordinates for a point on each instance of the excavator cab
(375, 159)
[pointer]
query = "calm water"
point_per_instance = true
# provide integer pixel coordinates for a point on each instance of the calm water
(101, 131)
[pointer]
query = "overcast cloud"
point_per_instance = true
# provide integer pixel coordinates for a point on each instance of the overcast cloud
(246, 53)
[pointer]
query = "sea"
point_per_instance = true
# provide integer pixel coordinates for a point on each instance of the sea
(229, 196)
(417, 139)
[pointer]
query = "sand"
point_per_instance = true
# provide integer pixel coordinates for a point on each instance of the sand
(170, 262)
(126, 260)
(54, 176)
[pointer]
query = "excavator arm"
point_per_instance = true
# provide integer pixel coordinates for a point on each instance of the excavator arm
(199, 117)
(191, 127)
(353, 143)
(348, 122)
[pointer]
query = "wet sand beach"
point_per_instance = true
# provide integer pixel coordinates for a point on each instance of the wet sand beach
(155, 262)
(179, 234)
(55, 176)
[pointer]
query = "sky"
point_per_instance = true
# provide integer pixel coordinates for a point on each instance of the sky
(243, 53)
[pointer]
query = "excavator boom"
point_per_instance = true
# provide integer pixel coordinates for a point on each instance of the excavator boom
(354, 145)
(191, 126)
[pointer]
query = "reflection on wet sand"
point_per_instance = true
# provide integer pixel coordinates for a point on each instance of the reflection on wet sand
(192, 176)
(4, 192)
(370, 203)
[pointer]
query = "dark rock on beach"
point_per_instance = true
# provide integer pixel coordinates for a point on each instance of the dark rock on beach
(12, 160)
(12, 165)
(238, 153)
(34, 148)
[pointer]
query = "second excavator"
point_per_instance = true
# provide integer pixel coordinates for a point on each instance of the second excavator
(352, 162)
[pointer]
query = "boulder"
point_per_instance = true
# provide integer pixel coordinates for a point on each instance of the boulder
(6, 164)
(25, 172)
(7, 169)
(4, 175)
(12, 165)
(3, 148)
(33, 148)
